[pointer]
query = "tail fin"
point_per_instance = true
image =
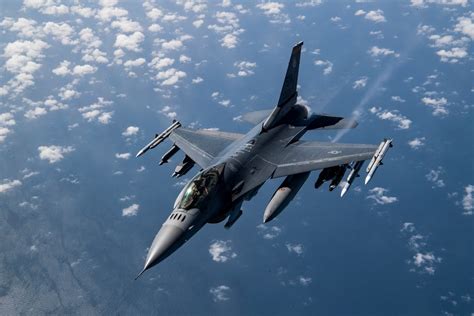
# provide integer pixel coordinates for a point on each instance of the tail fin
(288, 91)
(288, 94)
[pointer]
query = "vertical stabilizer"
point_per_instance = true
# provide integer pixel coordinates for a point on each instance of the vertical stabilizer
(288, 94)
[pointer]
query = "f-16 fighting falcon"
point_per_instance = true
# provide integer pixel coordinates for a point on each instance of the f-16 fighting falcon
(235, 166)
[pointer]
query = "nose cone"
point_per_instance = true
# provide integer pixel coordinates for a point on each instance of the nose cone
(166, 241)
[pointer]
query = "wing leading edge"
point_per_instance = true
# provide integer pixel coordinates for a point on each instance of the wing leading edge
(202, 145)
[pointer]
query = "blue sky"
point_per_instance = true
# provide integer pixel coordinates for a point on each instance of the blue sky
(84, 85)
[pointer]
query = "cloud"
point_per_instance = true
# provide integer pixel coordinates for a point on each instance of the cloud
(134, 63)
(48, 7)
(324, 63)
(468, 200)
(167, 111)
(360, 83)
(434, 177)
(82, 70)
(126, 25)
(66, 94)
(124, 156)
(184, 59)
(131, 42)
(426, 261)
(452, 55)
(245, 69)
(308, 3)
(170, 76)
(154, 13)
(35, 113)
(220, 293)
(160, 62)
(269, 232)
(274, 11)
(416, 143)
(304, 281)
(221, 251)
(7, 185)
(174, 44)
(397, 98)
(6, 120)
(197, 80)
(54, 153)
(108, 13)
(394, 116)
(22, 60)
(423, 261)
(376, 51)
(295, 248)
(424, 3)
(61, 32)
(132, 210)
(229, 41)
(227, 25)
(62, 69)
(91, 44)
(96, 111)
(378, 195)
(465, 26)
(130, 131)
(438, 105)
(375, 16)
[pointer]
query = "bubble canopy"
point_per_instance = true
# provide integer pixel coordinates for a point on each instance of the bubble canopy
(199, 188)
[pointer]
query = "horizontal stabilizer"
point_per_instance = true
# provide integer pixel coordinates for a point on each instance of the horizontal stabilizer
(322, 121)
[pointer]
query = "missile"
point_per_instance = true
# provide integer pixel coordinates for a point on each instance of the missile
(351, 177)
(170, 153)
(283, 195)
(159, 138)
(337, 177)
(374, 157)
(183, 167)
(378, 161)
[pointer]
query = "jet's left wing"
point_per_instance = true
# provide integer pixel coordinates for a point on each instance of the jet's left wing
(297, 158)
(202, 145)
(303, 156)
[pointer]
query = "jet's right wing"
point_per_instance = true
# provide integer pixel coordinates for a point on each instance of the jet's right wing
(303, 156)
(202, 145)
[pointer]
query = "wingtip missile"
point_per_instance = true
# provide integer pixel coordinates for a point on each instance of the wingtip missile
(377, 159)
(159, 138)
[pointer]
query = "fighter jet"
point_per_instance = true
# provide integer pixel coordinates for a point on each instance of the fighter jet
(235, 166)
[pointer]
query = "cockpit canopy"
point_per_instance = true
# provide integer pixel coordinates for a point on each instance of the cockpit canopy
(199, 188)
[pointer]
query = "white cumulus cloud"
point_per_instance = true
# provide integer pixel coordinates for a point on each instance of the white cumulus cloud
(54, 153)
(130, 131)
(132, 210)
(221, 251)
(378, 195)
(7, 185)
(220, 293)
(402, 121)
(468, 200)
